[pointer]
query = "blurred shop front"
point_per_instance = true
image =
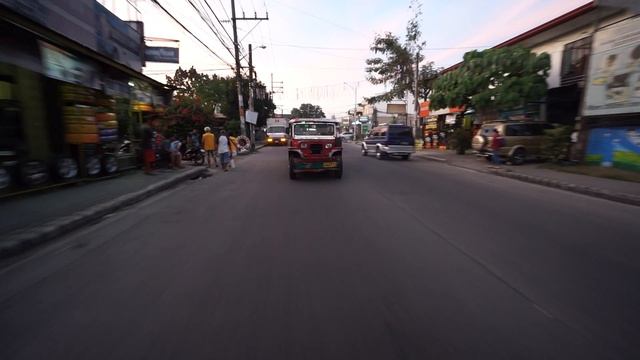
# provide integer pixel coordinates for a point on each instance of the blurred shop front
(70, 86)
(610, 124)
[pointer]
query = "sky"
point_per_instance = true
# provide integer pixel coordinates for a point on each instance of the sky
(318, 49)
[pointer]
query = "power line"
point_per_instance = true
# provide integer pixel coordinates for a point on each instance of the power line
(218, 19)
(190, 33)
(223, 9)
(210, 25)
(366, 49)
(247, 34)
(168, 71)
(319, 18)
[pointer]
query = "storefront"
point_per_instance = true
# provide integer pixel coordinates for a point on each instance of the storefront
(65, 109)
(611, 112)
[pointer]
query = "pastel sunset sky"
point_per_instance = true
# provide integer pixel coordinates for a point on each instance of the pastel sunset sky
(314, 47)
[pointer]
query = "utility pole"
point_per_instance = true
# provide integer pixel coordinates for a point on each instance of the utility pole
(417, 104)
(252, 94)
(278, 88)
(236, 46)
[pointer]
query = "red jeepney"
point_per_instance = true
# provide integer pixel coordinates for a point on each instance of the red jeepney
(314, 146)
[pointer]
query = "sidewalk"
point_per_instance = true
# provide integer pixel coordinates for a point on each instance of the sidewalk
(616, 190)
(31, 219)
(37, 217)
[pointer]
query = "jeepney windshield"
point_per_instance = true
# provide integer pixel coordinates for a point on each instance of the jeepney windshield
(314, 129)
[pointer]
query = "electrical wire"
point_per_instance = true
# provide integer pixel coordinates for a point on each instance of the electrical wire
(218, 19)
(211, 26)
(190, 33)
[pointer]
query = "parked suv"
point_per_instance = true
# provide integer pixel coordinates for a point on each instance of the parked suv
(522, 140)
(390, 140)
(314, 146)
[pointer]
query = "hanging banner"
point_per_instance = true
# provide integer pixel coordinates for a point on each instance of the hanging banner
(613, 85)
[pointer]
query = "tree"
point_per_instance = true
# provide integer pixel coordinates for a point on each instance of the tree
(199, 96)
(499, 79)
(396, 63)
(308, 111)
(428, 76)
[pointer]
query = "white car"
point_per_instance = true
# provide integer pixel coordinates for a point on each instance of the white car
(347, 136)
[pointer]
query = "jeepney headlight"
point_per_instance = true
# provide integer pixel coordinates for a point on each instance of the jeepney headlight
(304, 145)
(269, 140)
(329, 146)
(283, 139)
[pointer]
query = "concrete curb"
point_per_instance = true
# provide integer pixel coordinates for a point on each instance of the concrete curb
(584, 190)
(19, 241)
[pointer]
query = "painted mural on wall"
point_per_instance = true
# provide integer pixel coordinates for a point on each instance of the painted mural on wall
(615, 147)
(613, 85)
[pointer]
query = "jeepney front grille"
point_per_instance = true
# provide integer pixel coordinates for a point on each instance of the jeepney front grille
(316, 148)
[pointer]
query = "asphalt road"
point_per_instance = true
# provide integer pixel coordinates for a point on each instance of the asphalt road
(398, 260)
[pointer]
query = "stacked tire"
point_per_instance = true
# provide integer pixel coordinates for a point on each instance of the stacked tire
(80, 125)
(107, 127)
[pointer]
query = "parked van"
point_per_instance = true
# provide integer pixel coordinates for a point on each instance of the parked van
(522, 140)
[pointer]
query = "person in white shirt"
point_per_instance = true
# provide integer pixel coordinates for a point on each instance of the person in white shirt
(223, 150)
(174, 151)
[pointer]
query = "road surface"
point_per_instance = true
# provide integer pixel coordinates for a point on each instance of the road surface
(398, 260)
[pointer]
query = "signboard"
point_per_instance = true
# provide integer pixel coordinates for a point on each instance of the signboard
(613, 85)
(162, 54)
(615, 147)
(251, 117)
(117, 39)
(396, 108)
(116, 88)
(424, 109)
(76, 21)
(61, 65)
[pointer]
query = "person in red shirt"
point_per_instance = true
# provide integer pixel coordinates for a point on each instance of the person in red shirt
(496, 144)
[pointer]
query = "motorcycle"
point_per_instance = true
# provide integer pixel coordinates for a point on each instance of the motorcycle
(194, 154)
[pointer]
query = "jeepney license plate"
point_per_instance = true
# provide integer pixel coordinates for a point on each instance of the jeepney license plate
(331, 164)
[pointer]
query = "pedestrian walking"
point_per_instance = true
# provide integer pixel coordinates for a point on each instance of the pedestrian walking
(496, 144)
(209, 144)
(223, 150)
(148, 152)
(233, 151)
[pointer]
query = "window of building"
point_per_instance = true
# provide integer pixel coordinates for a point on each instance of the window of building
(574, 61)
